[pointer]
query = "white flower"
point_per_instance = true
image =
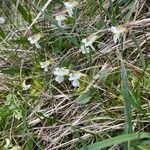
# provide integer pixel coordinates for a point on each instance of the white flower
(87, 43)
(60, 20)
(84, 49)
(25, 86)
(44, 65)
(74, 78)
(118, 32)
(70, 5)
(8, 144)
(17, 114)
(60, 73)
(16, 148)
(34, 40)
(2, 20)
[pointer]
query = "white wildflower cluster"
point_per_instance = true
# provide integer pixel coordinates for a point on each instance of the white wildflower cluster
(69, 5)
(74, 77)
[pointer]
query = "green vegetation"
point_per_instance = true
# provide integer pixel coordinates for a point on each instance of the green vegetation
(75, 75)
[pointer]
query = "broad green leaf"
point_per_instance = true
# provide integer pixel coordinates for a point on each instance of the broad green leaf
(84, 98)
(117, 140)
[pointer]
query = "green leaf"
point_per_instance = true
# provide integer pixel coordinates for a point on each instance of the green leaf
(143, 147)
(84, 98)
(29, 145)
(117, 140)
(103, 74)
(132, 8)
(21, 40)
(14, 70)
(2, 33)
(71, 38)
(126, 96)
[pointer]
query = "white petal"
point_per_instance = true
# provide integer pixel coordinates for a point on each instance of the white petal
(69, 6)
(37, 45)
(56, 71)
(60, 19)
(75, 83)
(34, 39)
(59, 79)
(89, 41)
(8, 144)
(114, 30)
(2, 20)
(30, 40)
(16, 148)
(74, 76)
(44, 65)
(116, 38)
(46, 69)
(84, 41)
(84, 49)
(64, 71)
(70, 12)
(25, 86)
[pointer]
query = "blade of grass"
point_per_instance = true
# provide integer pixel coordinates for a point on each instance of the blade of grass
(137, 44)
(117, 140)
(131, 11)
(127, 109)
(113, 12)
(107, 13)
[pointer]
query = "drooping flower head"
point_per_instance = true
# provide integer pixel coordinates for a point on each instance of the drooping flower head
(60, 73)
(70, 5)
(34, 40)
(87, 43)
(44, 65)
(118, 32)
(60, 20)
